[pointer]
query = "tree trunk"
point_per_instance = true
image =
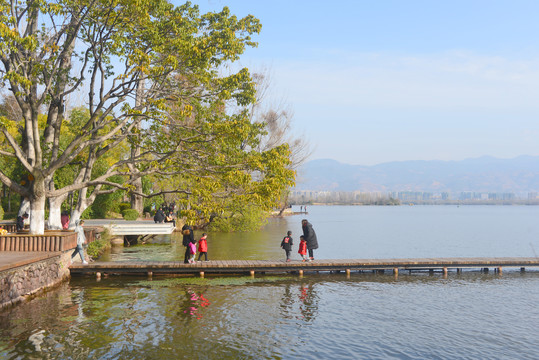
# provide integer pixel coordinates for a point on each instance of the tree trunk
(82, 204)
(37, 207)
(77, 211)
(75, 215)
(55, 212)
(284, 205)
(137, 201)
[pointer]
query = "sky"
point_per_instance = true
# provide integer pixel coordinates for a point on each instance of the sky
(379, 81)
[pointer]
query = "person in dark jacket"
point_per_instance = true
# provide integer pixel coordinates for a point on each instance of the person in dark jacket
(310, 238)
(159, 216)
(188, 237)
(20, 221)
(286, 244)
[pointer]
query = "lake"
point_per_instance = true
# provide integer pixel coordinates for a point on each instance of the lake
(469, 315)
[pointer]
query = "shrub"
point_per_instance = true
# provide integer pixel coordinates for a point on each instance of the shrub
(98, 246)
(123, 206)
(1, 213)
(10, 215)
(130, 214)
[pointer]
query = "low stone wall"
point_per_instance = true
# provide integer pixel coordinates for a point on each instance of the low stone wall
(19, 283)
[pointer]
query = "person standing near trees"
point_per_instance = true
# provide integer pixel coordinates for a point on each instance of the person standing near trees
(64, 219)
(159, 216)
(310, 238)
(20, 221)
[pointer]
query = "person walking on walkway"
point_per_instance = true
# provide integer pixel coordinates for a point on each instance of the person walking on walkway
(310, 238)
(192, 252)
(81, 239)
(286, 244)
(203, 247)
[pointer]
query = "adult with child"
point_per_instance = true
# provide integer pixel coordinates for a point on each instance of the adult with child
(286, 244)
(310, 238)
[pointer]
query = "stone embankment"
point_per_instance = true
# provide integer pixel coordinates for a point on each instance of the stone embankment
(30, 275)
(30, 264)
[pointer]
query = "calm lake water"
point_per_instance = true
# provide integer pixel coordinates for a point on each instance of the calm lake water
(471, 315)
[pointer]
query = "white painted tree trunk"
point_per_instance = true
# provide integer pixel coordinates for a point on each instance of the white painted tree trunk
(75, 215)
(55, 212)
(24, 208)
(82, 204)
(37, 220)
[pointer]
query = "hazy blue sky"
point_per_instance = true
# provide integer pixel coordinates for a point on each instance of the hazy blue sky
(379, 81)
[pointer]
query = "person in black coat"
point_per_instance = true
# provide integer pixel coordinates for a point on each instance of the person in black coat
(20, 221)
(286, 244)
(159, 216)
(188, 236)
(310, 238)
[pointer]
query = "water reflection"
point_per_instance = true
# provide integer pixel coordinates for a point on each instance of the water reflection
(299, 302)
(124, 318)
(194, 303)
(309, 303)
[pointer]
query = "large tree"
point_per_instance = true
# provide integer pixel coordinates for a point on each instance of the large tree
(106, 49)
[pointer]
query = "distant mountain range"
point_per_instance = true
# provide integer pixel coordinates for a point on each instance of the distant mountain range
(484, 174)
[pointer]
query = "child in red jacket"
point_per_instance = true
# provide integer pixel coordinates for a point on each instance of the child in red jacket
(203, 247)
(302, 248)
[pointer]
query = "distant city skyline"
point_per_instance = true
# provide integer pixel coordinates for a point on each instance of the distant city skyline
(375, 82)
(298, 197)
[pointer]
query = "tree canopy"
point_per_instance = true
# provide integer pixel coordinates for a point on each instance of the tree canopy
(158, 97)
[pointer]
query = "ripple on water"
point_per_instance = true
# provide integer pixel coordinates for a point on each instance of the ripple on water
(465, 316)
